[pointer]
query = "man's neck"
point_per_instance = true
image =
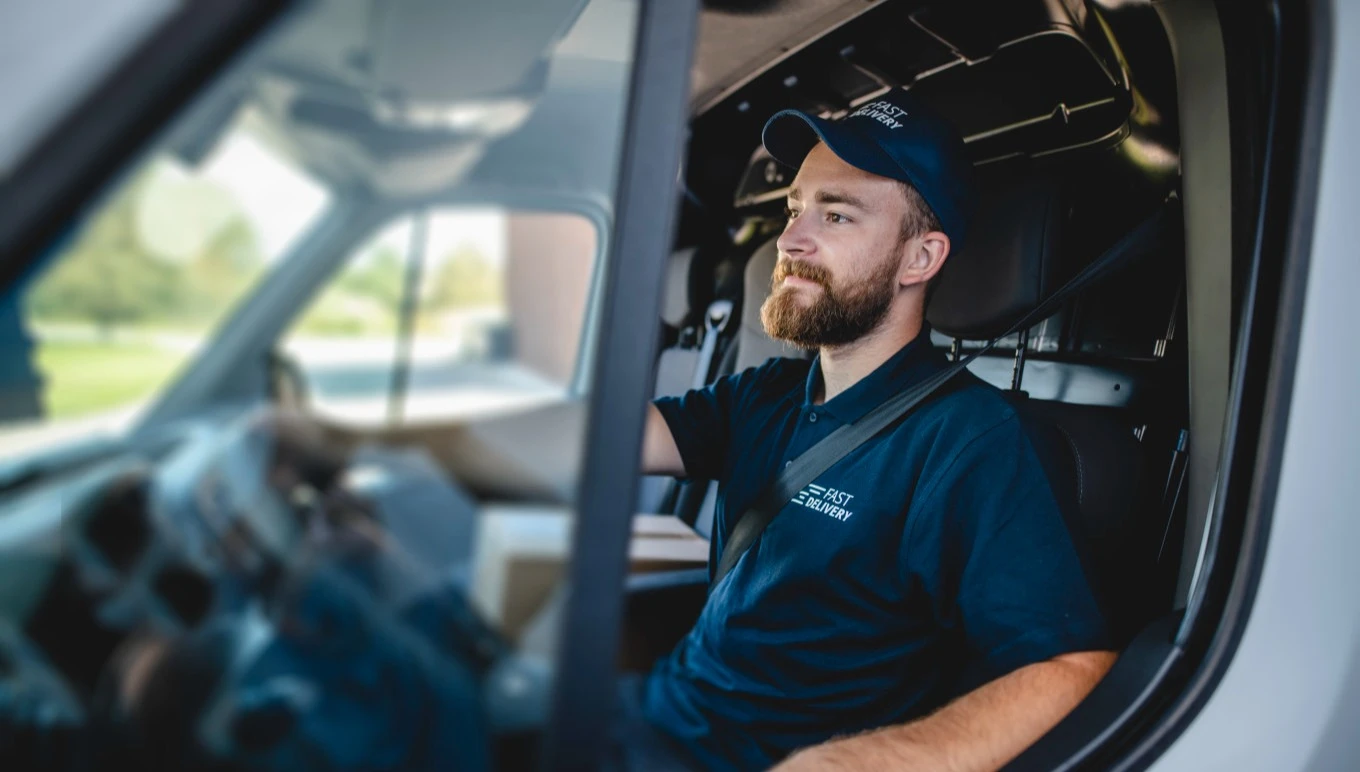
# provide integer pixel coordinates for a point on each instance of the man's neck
(844, 366)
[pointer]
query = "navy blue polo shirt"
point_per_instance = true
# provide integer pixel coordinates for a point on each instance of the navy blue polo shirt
(928, 561)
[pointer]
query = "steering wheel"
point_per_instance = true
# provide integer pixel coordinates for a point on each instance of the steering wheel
(339, 652)
(315, 643)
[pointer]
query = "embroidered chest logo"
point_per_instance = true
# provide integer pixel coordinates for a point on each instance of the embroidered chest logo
(828, 501)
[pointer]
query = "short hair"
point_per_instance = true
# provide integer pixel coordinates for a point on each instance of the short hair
(920, 218)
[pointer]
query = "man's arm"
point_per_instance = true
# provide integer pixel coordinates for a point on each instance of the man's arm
(659, 452)
(981, 730)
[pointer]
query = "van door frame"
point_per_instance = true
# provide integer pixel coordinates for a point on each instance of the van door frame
(646, 205)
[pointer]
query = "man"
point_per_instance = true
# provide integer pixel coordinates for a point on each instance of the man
(921, 605)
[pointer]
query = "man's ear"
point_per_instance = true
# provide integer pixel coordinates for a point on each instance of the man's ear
(925, 257)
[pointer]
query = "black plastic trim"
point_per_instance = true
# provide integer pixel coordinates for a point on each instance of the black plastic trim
(583, 696)
(58, 177)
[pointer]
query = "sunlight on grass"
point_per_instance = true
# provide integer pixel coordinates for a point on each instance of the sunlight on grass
(84, 377)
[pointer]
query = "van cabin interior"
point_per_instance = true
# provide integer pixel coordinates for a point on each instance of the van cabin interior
(1096, 127)
(1070, 112)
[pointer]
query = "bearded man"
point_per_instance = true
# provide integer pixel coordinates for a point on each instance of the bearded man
(922, 604)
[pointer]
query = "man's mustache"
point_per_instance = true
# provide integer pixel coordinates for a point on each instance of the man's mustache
(798, 269)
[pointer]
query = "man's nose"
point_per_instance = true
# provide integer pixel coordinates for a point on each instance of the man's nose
(794, 241)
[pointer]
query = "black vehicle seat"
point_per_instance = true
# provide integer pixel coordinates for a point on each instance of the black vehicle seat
(1010, 263)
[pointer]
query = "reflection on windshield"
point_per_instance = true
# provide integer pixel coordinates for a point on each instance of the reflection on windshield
(147, 280)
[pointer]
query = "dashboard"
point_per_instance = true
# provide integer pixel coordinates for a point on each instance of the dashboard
(250, 592)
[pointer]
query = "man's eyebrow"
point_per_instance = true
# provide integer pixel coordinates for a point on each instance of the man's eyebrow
(840, 197)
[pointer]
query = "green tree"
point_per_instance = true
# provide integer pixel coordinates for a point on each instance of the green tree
(106, 277)
(380, 278)
(465, 278)
(364, 299)
(110, 277)
(228, 264)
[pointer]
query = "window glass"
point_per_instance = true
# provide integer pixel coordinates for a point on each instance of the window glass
(345, 342)
(501, 316)
(147, 280)
(295, 418)
(496, 302)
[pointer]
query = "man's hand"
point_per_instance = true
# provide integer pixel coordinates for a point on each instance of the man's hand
(982, 730)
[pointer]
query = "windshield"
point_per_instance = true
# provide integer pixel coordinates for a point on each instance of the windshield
(337, 321)
(116, 312)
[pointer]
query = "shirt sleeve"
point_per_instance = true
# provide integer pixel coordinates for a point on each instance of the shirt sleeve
(701, 421)
(1008, 578)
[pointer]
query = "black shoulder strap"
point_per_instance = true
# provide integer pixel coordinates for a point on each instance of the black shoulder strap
(832, 448)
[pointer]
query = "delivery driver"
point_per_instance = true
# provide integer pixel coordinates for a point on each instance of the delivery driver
(921, 605)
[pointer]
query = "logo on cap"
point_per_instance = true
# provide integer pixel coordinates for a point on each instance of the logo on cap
(882, 111)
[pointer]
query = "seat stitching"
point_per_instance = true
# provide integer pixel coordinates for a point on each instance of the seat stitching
(1076, 454)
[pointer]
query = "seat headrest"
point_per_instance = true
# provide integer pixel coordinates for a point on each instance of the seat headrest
(1008, 265)
(679, 304)
(753, 345)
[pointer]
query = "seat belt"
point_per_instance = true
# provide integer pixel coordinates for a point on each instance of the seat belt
(807, 467)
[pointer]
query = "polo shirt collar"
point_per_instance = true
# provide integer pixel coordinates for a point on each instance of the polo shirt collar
(910, 365)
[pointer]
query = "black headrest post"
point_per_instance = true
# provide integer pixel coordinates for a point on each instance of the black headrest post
(955, 349)
(1018, 371)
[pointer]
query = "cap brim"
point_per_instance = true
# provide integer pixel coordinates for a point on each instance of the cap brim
(790, 135)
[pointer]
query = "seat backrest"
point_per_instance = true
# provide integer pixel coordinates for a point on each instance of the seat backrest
(678, 299)
(753, 345)
(1097, 468)
(1007, 264)
(1096, 464)
(683, 302)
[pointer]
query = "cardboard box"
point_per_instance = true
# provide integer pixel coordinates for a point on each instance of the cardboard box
(521, 551)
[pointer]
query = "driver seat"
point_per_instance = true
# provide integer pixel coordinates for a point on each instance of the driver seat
(1092, 453)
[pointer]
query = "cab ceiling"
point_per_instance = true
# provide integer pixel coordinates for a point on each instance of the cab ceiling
(740, 38)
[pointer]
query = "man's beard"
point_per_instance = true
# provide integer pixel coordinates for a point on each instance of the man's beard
(838, 316)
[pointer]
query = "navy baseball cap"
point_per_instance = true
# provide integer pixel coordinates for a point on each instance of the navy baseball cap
(895, 136)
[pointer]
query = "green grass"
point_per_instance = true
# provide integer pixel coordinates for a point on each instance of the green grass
(92, 376)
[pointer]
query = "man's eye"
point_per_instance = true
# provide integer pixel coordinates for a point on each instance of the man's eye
(835, 217)
(790, 212)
